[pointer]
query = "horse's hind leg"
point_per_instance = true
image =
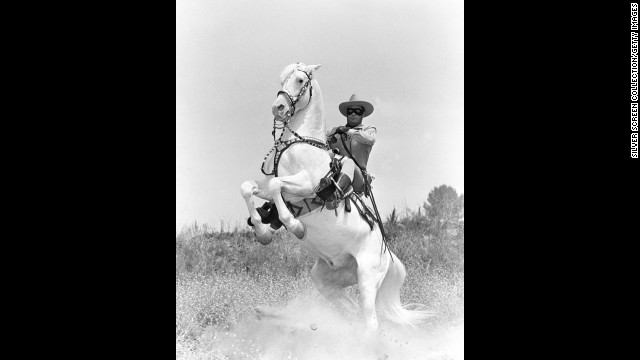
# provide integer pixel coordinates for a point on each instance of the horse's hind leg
(372, 268)
(264, 232)
(332, 283)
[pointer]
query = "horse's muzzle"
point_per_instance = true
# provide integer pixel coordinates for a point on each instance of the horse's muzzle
(280, 107)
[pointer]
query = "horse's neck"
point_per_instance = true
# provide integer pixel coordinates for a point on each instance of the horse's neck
(310, 121)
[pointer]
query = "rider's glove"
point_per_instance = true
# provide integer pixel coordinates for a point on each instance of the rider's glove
(342, 130)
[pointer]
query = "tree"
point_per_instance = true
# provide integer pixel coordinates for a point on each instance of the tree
(444, 208)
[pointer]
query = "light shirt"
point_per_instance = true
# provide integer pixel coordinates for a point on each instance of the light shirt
(359, 141)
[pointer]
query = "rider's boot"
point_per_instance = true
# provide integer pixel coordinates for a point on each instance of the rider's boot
(345, 189)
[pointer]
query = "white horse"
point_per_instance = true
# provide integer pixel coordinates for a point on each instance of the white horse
(348, 251)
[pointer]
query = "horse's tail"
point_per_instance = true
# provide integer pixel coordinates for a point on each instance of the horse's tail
(388, 298)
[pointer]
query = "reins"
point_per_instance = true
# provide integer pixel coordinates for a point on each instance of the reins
(373, 200)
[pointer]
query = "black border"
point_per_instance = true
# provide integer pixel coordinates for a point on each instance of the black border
(546, 164)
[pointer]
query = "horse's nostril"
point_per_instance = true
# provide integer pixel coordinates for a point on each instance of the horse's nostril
(280, 107)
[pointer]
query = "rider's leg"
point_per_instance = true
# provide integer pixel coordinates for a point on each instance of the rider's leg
(353, 172)
(343, 184)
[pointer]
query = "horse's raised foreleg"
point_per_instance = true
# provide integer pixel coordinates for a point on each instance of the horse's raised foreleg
(264, 232)
(298, 184)
(332, 283)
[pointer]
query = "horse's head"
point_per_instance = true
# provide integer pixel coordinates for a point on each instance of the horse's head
(297, 90)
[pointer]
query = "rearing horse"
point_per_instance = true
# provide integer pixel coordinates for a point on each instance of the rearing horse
(348, 250)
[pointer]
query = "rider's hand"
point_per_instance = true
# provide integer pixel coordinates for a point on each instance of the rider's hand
(342, 130)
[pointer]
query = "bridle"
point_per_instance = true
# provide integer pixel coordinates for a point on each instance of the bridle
(292, 104)
(285, 124)
(294, 100)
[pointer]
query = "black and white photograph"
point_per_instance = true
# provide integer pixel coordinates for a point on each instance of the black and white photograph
(320, 179)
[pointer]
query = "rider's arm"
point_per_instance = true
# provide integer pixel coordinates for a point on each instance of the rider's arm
(366, 135)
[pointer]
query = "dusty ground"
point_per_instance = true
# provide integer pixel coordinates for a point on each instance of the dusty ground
(309, 329)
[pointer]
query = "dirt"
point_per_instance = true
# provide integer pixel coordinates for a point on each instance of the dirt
(309, 329)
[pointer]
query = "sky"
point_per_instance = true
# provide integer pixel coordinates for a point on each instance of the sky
(405, 57)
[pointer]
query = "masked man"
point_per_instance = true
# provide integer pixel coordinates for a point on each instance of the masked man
(355, 141)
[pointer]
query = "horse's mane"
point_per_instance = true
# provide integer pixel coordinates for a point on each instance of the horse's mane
(288, 70)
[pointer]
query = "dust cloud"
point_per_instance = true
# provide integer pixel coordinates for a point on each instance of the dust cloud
(308, 328)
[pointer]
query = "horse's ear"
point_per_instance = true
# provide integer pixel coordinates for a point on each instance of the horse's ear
(312, 68)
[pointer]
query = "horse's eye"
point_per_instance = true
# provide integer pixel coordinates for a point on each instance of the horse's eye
(300, 81)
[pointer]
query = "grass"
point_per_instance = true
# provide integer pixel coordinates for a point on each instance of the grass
(222, 276)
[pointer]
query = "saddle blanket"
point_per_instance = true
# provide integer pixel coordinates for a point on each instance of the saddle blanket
(306, 206)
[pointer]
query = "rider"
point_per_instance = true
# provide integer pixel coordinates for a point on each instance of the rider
(358, 140)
